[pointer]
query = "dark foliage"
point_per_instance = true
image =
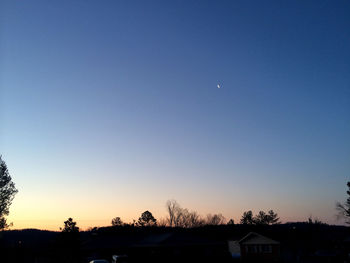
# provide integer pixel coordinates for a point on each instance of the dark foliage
(68, 242)
(117, 221)
(70, 226)
(344, 209)
(147, 219)
(7, 193)
(269, 218)
(298, 241)
(261, 218)
(247, 218)
(231, 222)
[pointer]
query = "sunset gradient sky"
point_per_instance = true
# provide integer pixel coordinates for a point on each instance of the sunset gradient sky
(110, 108)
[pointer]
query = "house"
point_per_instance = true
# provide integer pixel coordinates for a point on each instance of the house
(156, 246)
(255, 247)
(179, 246)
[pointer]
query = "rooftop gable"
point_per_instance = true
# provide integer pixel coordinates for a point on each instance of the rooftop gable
(256, 239)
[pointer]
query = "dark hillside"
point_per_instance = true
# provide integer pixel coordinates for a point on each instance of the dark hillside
(298, 240)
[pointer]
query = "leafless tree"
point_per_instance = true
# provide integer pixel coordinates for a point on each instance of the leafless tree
(175, 214)
(195, 220)
(182, 217)
(162, 222)
(216, 219)
(172, 208)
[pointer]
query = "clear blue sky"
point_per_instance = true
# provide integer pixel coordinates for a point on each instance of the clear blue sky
(109, 108)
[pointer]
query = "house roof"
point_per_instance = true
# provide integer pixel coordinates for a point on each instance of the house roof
(176, 239)
(254, 238)
(109, 242)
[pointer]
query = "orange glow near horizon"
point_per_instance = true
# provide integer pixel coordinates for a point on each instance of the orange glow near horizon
(48, 218)
(91, 207)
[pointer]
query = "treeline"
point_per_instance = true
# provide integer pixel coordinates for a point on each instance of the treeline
(178, 216)
(262, 218)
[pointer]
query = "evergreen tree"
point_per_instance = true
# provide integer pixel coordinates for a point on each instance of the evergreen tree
(117, 221)
(272, 218)
(70, 226)
(247, 218)
(69, 243)
(7, 193)
(261, 218)
(147, 219)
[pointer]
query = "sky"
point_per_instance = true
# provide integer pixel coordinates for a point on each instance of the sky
(111, 108)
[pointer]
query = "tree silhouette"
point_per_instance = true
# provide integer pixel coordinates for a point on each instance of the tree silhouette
(272, 218)
(231, 222)
(147, 219)
(70, 226)
(117, 221)
(69, 243)
(181, 217)
(315, 221)
(189, 219)
(7, 193)
(247, 218)
(175, 213)
(261, 218)
(344, 209)
(216, 219)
